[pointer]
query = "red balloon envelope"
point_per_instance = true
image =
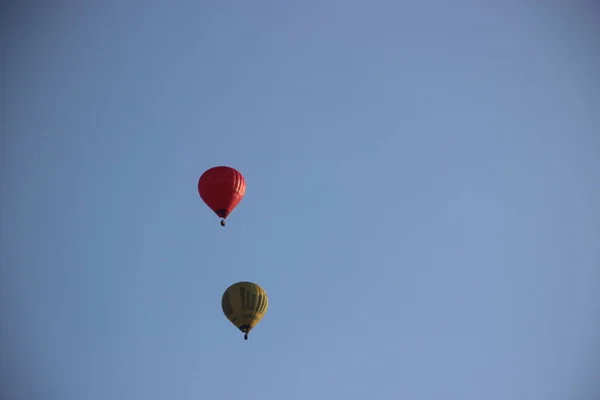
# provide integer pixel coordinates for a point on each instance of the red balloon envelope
(222, 189)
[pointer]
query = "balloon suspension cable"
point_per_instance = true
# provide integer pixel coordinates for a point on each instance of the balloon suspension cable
(246, 336)
(222, 222)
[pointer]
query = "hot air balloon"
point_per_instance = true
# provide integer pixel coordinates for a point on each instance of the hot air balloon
(244, 304)
(222, 189)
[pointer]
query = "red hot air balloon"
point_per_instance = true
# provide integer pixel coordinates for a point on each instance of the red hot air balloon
(222, 189)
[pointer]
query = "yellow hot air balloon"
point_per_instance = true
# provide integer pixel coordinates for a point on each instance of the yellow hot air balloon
(244, 304)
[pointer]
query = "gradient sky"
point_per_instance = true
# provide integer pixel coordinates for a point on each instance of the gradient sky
(422, 206)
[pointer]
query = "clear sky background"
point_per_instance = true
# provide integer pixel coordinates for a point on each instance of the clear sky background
(422, 206)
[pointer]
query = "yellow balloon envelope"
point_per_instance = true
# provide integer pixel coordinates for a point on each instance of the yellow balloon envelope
(244, 304)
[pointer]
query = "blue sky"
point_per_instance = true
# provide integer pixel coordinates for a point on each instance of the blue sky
(422, 204)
